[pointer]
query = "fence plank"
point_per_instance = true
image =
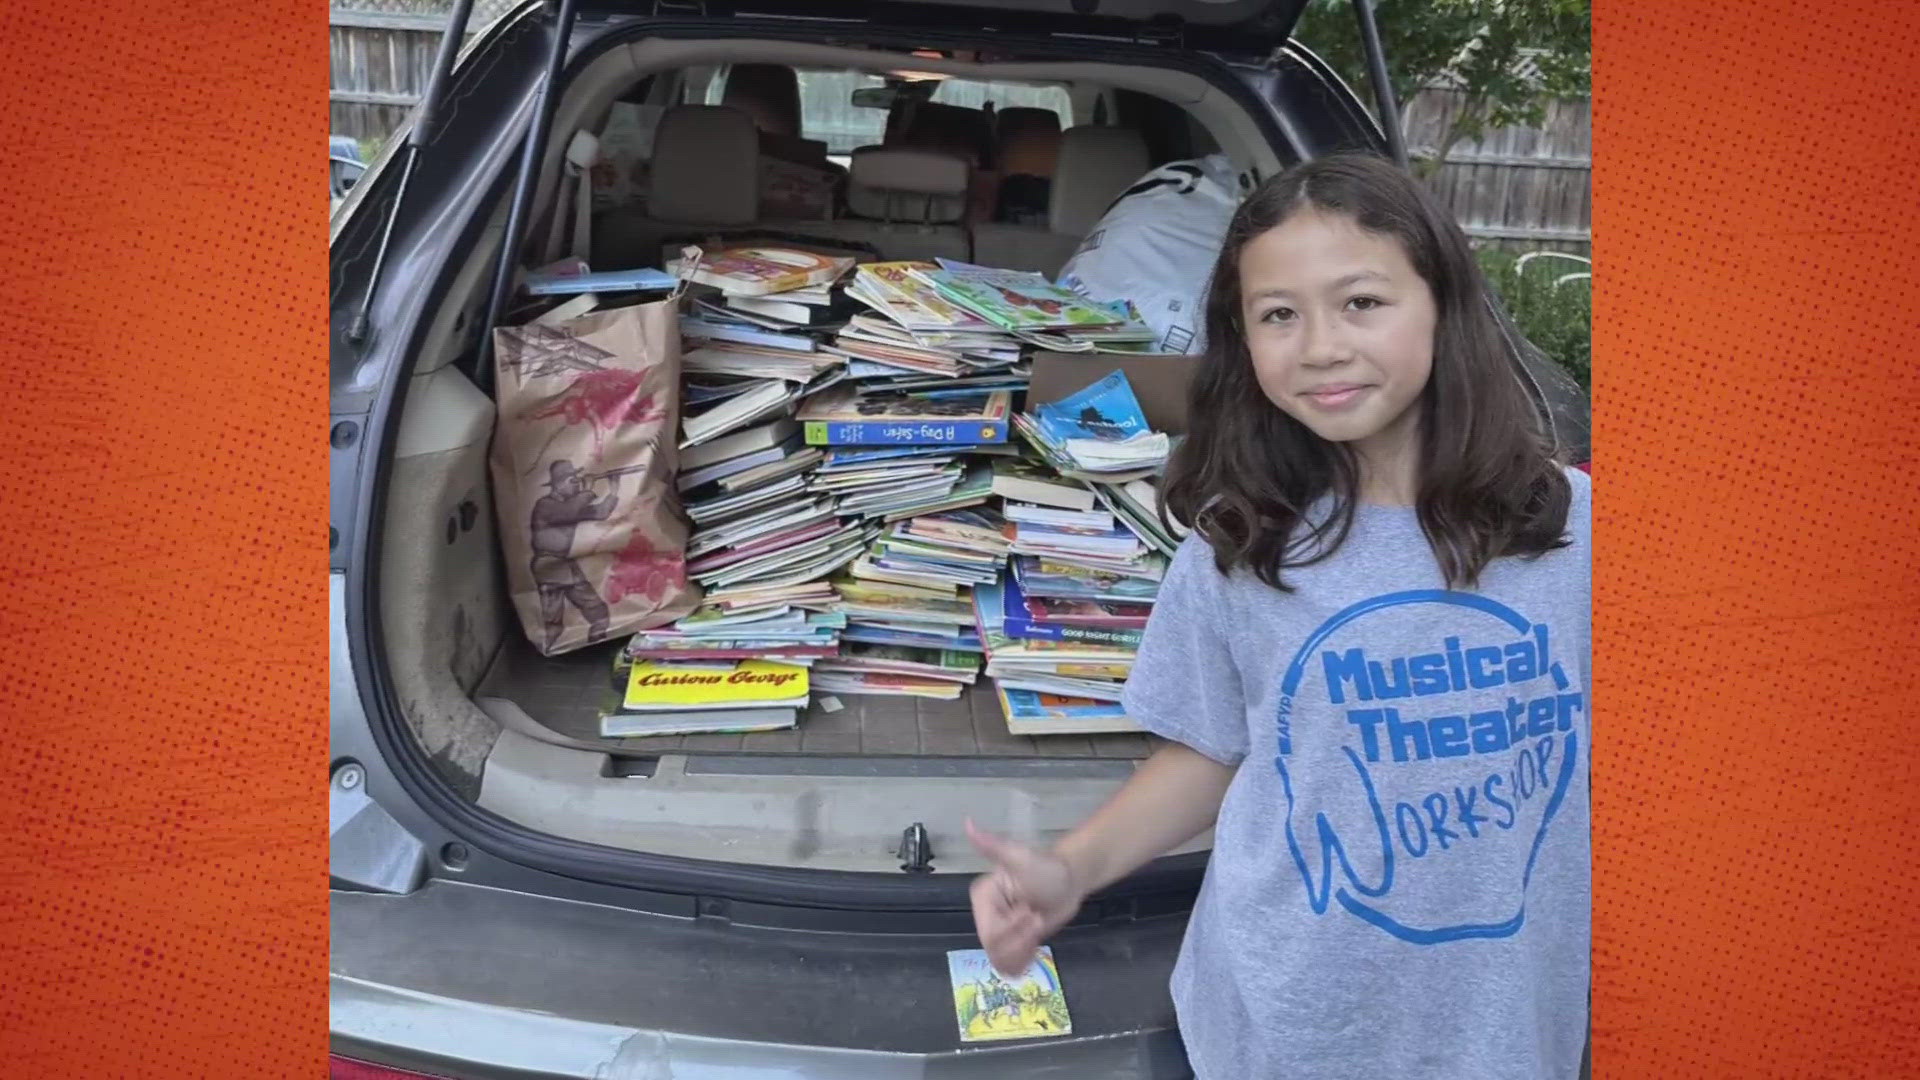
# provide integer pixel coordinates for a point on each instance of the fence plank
(374, 20)
(375, 97)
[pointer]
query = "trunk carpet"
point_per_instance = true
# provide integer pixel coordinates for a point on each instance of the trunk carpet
(567, 694)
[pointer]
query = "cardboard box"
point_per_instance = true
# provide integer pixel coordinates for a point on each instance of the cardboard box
(1159, 381)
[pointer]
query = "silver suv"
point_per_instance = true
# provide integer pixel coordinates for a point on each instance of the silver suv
(512, 894)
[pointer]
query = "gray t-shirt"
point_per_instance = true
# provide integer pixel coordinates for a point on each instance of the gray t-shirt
(1400, 876)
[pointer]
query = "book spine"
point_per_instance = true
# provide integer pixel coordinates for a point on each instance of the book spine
(821, 652)
(904, 432)
(1034, 630)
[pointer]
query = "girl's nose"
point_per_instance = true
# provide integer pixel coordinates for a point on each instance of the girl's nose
(1322, 345)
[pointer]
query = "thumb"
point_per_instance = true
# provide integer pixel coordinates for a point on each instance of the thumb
(996, 849)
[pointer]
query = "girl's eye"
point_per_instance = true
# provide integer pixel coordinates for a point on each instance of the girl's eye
(1364, 303)
(1277, 315)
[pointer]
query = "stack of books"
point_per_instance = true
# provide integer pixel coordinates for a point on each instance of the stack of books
(785, 633)
(1081, 588)
(946, 552)
(1035, 310)
(1137, 504)
(845, 536)
(882, 613)
(1058, 666)
(762, 544)
(741, 366)
(1088, 551)
(898, 482)
(763, 526)
(913, 330)
(898, 671)
(1097, 435)
(914, 585)
(861, 514)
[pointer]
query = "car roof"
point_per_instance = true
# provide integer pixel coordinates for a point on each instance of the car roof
(1216, 25)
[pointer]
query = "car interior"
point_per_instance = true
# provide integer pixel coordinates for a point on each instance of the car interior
(1017, 176)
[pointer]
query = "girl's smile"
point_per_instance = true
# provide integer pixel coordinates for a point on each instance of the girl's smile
(1335, 397)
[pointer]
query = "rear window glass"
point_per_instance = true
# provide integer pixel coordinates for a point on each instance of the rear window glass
(827, 111)
(1006, 95)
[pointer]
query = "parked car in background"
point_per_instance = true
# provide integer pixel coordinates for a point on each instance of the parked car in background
(344, 167)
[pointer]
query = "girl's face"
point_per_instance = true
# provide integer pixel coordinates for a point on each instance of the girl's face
(1340, 327)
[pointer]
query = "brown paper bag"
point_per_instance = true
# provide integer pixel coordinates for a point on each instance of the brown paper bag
(583, 461)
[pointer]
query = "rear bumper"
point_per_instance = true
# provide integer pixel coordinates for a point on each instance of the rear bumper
(474, 982)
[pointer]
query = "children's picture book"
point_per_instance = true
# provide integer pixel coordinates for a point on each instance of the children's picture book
(844, 418)
(758, 271)
(1036, 582)
(989, 1006)
(629, 725)
(660, 687)
(1094, 623)
(875, 634)
(911, 302)
(612, 281)
(955, 664)
(887, 684)
(1031, 712)
(1088, 612)
(1017, 299)
(1107, 411)
(1027, 480)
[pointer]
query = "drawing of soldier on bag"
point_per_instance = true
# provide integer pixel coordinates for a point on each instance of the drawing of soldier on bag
(556, 517)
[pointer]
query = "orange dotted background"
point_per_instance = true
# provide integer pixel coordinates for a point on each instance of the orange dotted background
(163, 655)
(1757, 541)
(162, 464)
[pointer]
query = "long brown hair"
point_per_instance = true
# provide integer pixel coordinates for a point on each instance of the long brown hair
(1246, 474)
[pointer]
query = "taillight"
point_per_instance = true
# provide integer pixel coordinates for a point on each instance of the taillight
(339, 1068)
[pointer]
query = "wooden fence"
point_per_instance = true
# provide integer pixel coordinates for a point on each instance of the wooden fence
(381, 52)
(1519, 187)
(1515, 187)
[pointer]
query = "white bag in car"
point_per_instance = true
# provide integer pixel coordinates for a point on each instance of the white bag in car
(1156, 246)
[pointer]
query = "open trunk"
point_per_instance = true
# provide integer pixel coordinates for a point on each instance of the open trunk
(517, 733)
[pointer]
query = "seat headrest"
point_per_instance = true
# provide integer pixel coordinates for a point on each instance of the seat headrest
(705, 167)
(1096, 164)
(949, 129)
(1028, 141)
(899, 184)
(769, 93)
(1022, 119)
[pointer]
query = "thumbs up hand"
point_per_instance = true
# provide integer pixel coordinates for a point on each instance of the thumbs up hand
(1027, 896)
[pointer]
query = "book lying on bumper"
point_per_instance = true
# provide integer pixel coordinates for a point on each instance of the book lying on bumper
(990, 1006)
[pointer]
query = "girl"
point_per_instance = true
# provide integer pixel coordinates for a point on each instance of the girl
(1370, 660)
